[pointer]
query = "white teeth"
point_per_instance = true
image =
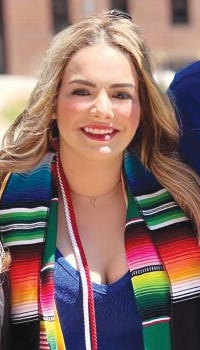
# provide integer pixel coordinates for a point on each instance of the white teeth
(98, 131)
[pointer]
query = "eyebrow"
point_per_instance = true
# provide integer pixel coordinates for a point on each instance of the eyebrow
(87, 83)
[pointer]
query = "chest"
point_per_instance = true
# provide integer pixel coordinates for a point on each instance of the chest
(102, 238)
(116, 311)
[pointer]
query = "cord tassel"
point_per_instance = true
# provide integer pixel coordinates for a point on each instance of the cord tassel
(88, 297)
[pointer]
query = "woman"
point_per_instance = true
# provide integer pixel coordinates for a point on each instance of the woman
(104, 233)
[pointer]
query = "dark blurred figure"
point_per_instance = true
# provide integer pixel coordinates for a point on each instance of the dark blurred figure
(4, 299)
(185, 92)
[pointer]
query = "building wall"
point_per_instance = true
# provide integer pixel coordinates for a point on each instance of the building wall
(28, 31)
(171, 44)
(82, 8)
(29, 28)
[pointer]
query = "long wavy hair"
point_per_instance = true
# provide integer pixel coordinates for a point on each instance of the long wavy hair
(155, 142)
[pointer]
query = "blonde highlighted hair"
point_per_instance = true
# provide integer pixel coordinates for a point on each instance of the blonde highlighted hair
(155, 142)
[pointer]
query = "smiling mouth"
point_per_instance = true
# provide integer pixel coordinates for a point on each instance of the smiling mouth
(99, 134)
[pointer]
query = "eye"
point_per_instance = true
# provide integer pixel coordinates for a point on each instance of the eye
(122, 95)
(80, 92)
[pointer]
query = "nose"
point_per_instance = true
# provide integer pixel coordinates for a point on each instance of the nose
(102, 106)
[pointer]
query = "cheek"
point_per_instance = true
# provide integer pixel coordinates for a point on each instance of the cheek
(71, 106)
(135, 113)
(133, 120)
(64, 106)
(131, 113)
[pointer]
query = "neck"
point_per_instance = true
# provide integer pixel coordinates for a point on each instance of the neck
(100, 199)
(92, 178)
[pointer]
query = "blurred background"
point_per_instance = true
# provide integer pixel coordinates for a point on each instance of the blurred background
(171, 29)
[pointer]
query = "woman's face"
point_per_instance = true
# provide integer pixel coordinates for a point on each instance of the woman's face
(98, 108)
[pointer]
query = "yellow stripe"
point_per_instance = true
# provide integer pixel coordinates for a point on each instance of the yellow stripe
(4, 183)
(59, 335)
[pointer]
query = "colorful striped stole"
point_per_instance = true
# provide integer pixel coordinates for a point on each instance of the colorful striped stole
(23, 223)
(26, 224)
(162, 253)
(164, 260)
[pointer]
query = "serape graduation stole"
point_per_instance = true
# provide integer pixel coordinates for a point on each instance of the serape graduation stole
(50, 330)
(162, 254)
(164, 260)
(28, 219)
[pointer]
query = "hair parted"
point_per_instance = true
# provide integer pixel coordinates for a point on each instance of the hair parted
(155, 142)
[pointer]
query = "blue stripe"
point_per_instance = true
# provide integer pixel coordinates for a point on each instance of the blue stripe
(26, 189)
(140, 180)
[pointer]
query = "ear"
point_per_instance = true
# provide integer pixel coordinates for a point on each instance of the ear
(54, 116)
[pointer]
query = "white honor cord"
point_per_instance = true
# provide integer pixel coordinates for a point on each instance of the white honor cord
(79, 263)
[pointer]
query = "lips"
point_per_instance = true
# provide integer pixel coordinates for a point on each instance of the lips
(99, 133)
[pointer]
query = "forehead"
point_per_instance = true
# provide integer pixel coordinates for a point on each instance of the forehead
(100, 62)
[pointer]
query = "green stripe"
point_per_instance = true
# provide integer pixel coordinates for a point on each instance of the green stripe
(50, 244)
(157, 337)
(158, 200)
(22, 216)
(151, 289)
(27, 235)
(163, 217)
(132, 211)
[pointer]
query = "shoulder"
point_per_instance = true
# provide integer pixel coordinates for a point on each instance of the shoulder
(189, 74)
(184, 91)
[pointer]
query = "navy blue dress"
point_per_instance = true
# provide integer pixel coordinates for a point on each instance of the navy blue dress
(118, 323)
